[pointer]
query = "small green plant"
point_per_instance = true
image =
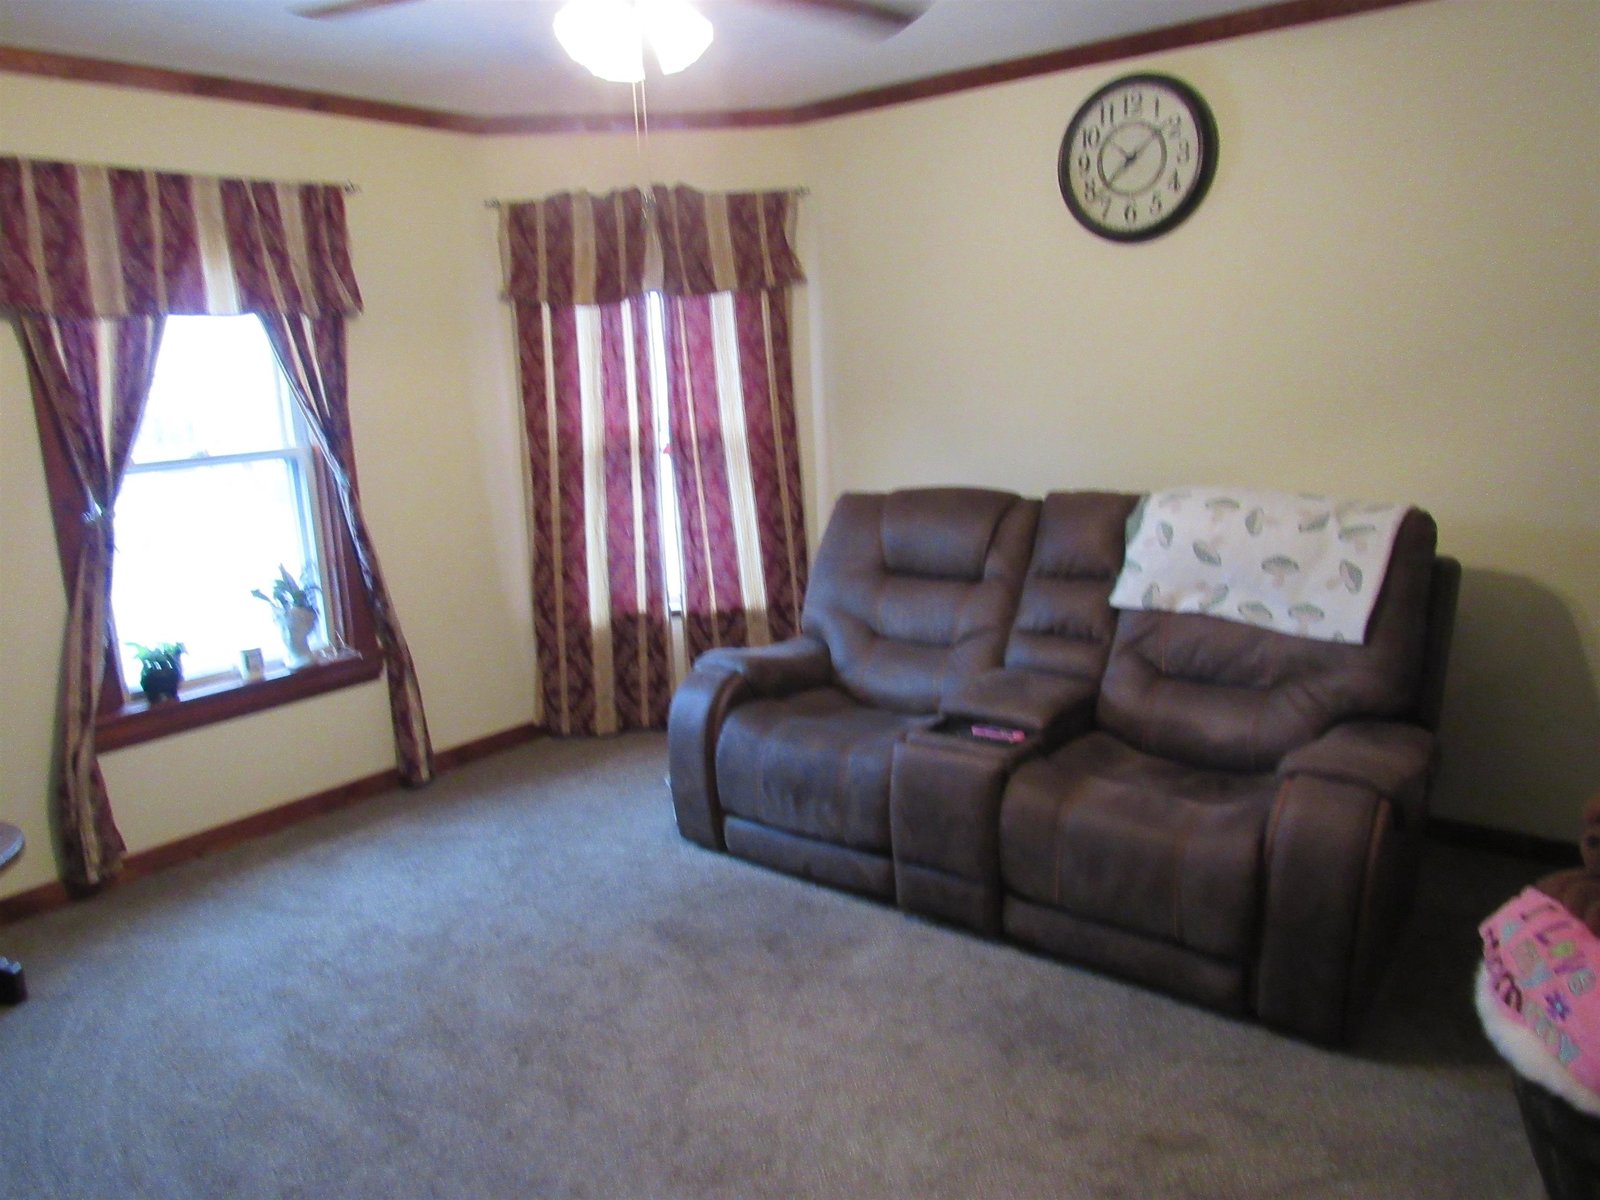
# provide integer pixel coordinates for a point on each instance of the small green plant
(287, 594)
(162, 656)
(160, 671)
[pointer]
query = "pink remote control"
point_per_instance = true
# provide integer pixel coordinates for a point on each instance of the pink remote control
(998, 733)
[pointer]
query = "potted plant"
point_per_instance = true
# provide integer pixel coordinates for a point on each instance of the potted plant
(161, 670)
(293, 605)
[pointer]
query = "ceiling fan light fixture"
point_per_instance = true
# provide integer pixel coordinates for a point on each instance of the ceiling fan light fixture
(604, 37)
(607, 37)
(676, 32)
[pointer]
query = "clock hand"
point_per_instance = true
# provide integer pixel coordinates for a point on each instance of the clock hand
(1128, 159)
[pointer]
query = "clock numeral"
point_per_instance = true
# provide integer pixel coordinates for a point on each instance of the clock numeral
(1161, 132)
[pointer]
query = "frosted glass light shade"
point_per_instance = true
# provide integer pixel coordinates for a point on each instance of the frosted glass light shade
(607, 37)
(677, 34)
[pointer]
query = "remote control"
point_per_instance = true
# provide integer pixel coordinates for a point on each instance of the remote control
(999, 733)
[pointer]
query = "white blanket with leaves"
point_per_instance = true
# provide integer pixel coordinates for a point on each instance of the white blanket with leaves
(1301, 564)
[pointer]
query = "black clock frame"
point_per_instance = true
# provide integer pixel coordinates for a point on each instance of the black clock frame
(1204, 120)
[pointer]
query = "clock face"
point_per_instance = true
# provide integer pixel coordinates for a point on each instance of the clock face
(1137, 157)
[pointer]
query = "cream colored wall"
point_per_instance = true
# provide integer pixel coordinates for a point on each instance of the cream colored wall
(1391, 291)
(433, 460)
(437, 434)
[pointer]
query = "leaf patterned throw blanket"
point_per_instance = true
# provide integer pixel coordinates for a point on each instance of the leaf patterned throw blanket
(1300, 564)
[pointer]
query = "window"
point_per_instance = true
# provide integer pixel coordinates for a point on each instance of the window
(666, 484)
(223, 485)
(219, 491)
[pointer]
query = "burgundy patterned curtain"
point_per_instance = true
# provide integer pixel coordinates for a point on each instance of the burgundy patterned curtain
(87, 241)
(312, 352)
(82, 369)
(728, 267)
(575, 268)
(91, 259)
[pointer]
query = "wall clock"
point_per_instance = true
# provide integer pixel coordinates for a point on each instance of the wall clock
(1138, 157)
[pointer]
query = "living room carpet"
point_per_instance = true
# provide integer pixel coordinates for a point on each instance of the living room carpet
(521, 982)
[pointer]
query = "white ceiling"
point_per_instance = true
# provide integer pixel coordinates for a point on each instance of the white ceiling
(499, 58)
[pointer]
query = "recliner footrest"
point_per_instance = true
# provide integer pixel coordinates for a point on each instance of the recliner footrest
(821, 862)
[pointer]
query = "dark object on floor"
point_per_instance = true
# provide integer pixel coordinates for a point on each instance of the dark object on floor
(1533, 995)
(13, 984)
(1565, 1143)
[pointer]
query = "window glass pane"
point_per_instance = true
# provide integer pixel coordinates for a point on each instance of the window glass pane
(667, 488)
(191, 543)
(215, 391)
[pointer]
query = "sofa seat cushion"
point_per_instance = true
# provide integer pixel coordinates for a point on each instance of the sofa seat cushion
(1105, 832)
(814, 764)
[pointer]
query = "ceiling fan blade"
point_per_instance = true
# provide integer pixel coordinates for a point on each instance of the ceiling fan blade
(345, 8)
(886, 16)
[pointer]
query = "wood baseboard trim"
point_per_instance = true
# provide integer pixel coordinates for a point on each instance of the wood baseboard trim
(1504, 841)
(49, 896)
(484, 747)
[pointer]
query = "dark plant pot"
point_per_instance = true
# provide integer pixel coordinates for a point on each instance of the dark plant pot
(160, 683)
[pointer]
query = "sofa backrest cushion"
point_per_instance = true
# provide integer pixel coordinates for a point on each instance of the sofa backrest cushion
(1064, 621)
(1222, 694)
(914, 590)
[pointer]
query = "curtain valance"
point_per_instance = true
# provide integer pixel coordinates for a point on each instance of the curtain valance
(575, 248)
(725, 241)
(81, 241)
(579, 248)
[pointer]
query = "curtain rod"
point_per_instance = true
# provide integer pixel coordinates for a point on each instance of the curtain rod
(349, 187)
(648, 198)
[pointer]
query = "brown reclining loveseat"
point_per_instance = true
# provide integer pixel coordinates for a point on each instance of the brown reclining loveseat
(966, 727)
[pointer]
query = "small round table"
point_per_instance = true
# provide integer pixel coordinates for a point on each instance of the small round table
(13, 986)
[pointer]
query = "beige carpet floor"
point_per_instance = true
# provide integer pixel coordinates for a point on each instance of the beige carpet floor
(522, 983)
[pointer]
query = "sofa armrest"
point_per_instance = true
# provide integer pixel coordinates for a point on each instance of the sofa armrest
(694, 723)
(1389, 758)
(1033, 701)
(722, 679)
(1340, 870)
(776, 670)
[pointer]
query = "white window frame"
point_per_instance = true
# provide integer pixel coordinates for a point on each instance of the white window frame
(311, 516)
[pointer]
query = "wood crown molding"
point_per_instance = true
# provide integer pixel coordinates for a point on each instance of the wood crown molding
(1284, 14)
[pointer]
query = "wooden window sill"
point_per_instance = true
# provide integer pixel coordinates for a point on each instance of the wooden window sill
(206, 704)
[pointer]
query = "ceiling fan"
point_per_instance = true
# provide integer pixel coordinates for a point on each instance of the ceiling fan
(888, 18)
